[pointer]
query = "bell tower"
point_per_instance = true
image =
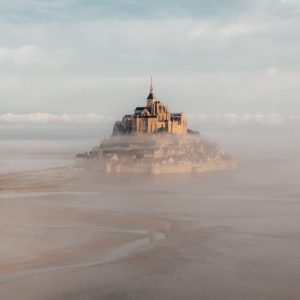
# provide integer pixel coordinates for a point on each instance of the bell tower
(151, 100)
(151, 96)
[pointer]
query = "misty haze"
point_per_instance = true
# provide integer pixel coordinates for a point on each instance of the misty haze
(116, 185)
(74, 233)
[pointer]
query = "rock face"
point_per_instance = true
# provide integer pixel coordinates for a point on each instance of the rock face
(161, 153)
(154, 140)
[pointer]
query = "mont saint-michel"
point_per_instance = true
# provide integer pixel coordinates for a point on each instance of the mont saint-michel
(153, 118)
(155, 140)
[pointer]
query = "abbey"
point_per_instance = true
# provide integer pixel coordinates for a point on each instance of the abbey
(156, 141)
(155, 117)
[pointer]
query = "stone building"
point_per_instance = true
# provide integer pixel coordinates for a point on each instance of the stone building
(155, 117)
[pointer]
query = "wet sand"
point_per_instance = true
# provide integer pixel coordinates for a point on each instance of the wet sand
(71, 233)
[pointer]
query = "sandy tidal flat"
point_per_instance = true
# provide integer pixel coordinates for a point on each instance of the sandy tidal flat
(74, 233)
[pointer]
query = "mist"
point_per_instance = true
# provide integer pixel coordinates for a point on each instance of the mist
(69, 232)
(93, 226)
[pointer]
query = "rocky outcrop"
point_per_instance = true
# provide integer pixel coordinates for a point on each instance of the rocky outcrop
(154, 140)
(159, 154)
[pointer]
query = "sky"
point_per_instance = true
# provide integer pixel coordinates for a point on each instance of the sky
(90, 61)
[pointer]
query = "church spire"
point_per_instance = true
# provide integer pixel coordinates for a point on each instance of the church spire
(151, 95)
(151, 85)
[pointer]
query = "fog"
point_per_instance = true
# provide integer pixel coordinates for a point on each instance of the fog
(68, 232)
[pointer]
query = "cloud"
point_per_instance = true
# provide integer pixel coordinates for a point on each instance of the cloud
(210, 63)
(54, 119)
(295, 2)
(24, 55)
(96, 119)
(37, 4)
(217, 31)
(272, 71)
(243, 119)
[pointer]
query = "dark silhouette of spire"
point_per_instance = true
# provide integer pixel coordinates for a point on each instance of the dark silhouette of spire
(151, 94)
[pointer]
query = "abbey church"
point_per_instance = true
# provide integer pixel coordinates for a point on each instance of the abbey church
(155, 117)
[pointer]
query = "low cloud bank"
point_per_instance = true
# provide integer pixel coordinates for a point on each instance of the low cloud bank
(96, 119)
(243, 119)
(54, 119)
(25, 55)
